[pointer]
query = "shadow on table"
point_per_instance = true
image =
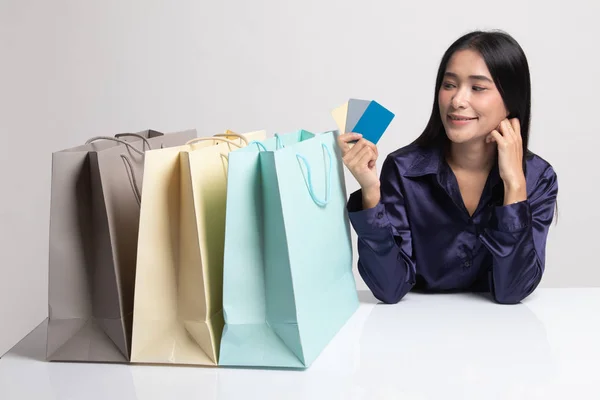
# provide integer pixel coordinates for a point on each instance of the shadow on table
(32, 346)
(365, 296)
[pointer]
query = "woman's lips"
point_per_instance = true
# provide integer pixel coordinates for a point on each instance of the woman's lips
(460, 122)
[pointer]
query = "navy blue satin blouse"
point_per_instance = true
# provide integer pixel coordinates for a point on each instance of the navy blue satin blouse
(421, 235)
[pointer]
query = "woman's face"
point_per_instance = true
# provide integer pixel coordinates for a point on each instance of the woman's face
(470, 104)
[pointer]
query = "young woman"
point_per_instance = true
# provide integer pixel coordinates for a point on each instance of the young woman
(466, 206)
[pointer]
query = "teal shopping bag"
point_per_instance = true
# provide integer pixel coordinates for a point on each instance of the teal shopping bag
(288, 285)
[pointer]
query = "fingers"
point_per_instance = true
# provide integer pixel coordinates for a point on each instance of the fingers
(373, 147)
(344, 139)
(370, 145)
(362, 160)
(496, 136)
(361, 154)
(510, 129)
(506, 129)
(502, 135)
(353, 151)
(358, 148)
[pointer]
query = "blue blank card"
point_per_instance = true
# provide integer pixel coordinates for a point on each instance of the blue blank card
(374, 122)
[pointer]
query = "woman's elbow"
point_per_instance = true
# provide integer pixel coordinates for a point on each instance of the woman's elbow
(389, 297)
(387, 288)
(391, 294)
(508, 299)
(514, 297)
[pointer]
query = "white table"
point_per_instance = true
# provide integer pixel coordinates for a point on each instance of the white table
(458, 346)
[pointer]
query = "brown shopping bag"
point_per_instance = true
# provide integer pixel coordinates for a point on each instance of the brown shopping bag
(94, 219)
(178, 317)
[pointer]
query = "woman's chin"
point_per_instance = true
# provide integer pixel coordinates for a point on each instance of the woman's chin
(463, 137)
(459, 137)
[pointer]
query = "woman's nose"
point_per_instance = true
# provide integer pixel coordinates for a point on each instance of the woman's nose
(459, 100)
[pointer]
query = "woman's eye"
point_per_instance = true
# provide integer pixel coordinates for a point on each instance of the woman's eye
(447, 85)
(478, 88)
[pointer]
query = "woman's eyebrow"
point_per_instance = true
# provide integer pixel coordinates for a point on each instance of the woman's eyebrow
(474, 77)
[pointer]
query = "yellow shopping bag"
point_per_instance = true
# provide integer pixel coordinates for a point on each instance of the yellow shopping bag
(178, 315)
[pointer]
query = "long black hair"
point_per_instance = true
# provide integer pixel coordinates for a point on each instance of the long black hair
(507, 63)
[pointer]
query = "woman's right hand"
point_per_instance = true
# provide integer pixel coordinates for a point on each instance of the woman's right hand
(360, 158)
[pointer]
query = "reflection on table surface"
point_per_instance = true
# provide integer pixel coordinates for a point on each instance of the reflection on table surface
(425, 347)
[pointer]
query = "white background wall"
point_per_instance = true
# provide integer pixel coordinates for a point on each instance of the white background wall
(70, 70)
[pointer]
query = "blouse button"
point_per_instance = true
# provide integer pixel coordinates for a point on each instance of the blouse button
(380, 215)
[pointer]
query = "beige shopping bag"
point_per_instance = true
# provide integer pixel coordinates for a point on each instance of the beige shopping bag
(178, 292)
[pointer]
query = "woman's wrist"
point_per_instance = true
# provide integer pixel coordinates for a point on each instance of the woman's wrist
(515, 192)
(370, 197)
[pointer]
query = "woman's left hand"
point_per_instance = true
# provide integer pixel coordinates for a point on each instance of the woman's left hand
(510, 158)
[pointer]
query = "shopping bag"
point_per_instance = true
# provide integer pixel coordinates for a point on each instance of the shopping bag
(178, 315)
(94, 218)
(288, 285)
